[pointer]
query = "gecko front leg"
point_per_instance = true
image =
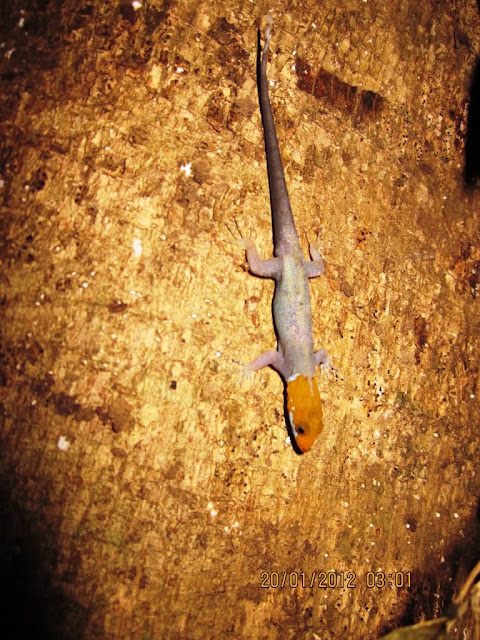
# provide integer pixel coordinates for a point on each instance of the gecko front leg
(267, 359)
(320, 358)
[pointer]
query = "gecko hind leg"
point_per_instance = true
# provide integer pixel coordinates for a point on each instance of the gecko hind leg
(314, 267)
(271, 268)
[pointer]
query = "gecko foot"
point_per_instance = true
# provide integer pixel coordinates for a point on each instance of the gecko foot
(316, 247)
(242, 242)
(329, 369)
(243, 375)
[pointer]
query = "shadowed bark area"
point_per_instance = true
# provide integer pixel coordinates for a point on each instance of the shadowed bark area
(146, 495)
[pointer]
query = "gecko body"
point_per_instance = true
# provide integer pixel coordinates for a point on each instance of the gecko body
(295, 358)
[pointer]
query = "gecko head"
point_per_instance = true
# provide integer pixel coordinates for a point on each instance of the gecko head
(305, 413)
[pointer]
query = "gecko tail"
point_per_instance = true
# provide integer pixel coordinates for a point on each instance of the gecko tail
(268, 30)
(268, 33)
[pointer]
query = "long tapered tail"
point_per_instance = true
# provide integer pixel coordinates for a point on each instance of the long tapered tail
(282, 218)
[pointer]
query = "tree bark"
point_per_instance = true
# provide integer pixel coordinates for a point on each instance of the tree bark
(146, 495)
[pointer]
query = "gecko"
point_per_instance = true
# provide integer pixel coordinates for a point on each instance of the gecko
(294, 359)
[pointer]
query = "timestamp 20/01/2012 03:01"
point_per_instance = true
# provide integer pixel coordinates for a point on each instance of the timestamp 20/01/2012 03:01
(334, 579)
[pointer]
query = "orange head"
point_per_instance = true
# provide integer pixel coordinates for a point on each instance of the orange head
(305, 412)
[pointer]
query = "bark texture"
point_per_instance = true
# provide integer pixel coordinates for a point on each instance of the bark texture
(144, 495)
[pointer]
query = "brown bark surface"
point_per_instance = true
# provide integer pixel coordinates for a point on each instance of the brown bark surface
(144, 494)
